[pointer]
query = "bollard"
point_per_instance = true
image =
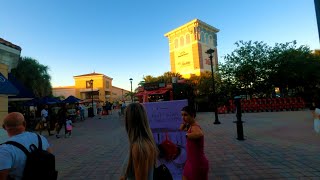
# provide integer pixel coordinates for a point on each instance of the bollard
(238, 115)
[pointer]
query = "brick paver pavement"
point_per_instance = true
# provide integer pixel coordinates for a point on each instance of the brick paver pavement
(278, 145)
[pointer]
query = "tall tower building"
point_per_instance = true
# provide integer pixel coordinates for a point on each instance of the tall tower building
(188, 44)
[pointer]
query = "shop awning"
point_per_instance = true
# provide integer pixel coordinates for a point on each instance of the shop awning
(158, 91)
(140, 94)
(153, 92)
(6, 87)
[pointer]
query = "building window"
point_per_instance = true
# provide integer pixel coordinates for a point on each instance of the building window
(202, 37)
(181, 41)
(176, 43)
(107, 84)
(188, 39)
(88, 84)
(206, 38)
(210, 40)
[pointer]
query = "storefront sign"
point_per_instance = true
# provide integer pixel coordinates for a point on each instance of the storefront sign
(165, 119)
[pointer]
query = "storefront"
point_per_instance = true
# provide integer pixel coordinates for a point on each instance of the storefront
(156, 92)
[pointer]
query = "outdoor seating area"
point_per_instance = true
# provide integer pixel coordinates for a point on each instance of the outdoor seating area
(265, 105)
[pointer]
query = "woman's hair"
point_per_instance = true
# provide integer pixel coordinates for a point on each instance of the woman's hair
(139, 134)
(190, 110)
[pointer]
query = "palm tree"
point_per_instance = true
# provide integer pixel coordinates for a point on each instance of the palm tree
(34, 76)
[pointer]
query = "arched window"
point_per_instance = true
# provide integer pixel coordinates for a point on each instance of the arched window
(206, 38)
(188, 39)
(210, 40)
(202, 37)
(181, 41)
(176, 43)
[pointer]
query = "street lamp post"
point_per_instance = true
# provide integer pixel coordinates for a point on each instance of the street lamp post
(216, 121)
(91, 82)
(121, 94)
(131, 89)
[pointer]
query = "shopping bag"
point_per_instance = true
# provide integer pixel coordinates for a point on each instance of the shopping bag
(37, 126)
(56, 127)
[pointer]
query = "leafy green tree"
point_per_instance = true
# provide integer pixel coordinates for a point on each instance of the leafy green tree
(295, 70)
(34, 76)
(246, 67)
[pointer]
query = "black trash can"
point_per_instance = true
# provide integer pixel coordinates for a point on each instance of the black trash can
(90, 112)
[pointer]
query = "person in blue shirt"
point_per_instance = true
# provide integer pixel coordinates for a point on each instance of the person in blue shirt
(12, 159)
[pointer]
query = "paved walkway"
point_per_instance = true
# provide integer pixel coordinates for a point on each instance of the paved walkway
(278, 145)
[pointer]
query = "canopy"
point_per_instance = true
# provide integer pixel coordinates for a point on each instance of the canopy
(6, 87)
(71, 99)
(49, 100)
(153, 92)
(42, 101)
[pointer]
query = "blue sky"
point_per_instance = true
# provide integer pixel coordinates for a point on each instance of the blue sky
(124, 39)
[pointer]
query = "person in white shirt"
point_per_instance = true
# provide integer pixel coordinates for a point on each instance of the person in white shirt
(45, 120)
(12, 159)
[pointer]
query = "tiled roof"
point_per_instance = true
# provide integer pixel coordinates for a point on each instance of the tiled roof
(91, 74)
(9, 44)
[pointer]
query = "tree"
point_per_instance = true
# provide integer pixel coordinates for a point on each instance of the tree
(256, 68)
(34, 76)
(246, 65)
(294, 69)
(149, 79)
(166, 77)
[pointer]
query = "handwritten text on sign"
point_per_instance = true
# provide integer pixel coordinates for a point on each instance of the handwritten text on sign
(165, 114)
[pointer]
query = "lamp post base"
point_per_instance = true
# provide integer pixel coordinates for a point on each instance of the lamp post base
(217, 122)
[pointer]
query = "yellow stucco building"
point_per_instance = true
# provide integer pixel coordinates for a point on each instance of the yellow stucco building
(188, 45)
(96, 84)
(9, 58)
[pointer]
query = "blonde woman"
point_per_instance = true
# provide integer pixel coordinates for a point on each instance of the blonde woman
(142, 148)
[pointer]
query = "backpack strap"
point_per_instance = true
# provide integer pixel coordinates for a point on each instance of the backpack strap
(18, 145)
(40, 142)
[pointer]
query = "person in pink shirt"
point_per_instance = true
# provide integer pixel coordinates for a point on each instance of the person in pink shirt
(197, 165)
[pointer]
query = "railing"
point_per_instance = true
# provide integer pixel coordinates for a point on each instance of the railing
(265, 105)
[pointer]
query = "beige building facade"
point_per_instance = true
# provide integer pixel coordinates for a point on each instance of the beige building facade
(96, 84)
(64, 91)
(9, 58)
(188, 45)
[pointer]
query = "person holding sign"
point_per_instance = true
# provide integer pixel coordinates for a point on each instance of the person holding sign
(143, 150)
(197, 165)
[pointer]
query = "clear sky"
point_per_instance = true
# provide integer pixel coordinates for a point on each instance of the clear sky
(125, 39)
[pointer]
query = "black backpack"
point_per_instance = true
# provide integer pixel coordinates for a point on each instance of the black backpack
(40, 164)
(162, 173)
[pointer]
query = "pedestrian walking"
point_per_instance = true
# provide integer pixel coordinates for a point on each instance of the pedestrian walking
(69, 127)
(45, 120)
(197, 165)
(62, 118)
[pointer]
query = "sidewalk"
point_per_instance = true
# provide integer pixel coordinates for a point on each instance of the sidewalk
(278, 145)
